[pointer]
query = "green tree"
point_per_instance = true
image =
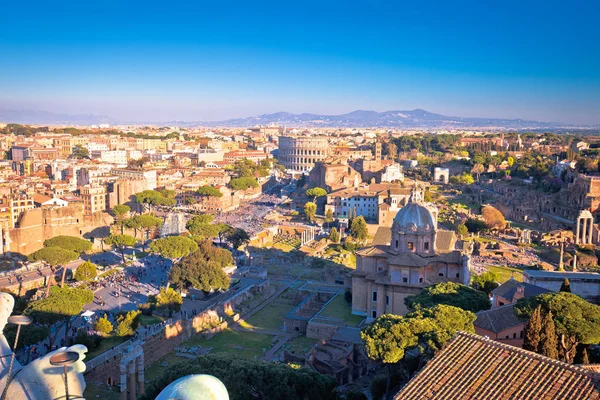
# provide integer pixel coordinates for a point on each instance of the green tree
(392, 151)
(249, 379)
(224, 231)
(103, 325)
(147, 223)
(173, 247)
(478, 169)
(59, 307)
(310, 210)
(200, 270)
(548, 342)
(475, 225)
(328, 215)
(86, 272)
(120, 242)
(462, 230)
(451, 294)
(577, 321)
(80, 152)
(389, 338)
(510, 161)
(238, 237)
(201, 225)
(127, 323)
(169, 299)
(153, 198)
(208, 190)
(71, 243)
(120, 211)
(565, 286)
(358, 229)
(533, 329)
(243, 183)
(334, 235)
(54, 256)
(485, 282)
(315, 192)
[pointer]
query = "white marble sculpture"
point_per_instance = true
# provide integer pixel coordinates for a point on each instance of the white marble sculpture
(38, 380)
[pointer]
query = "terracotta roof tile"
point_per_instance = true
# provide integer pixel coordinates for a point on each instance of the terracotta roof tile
(472, 367)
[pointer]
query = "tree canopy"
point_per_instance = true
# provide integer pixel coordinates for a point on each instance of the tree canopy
(54, 255)
(203, 269)
(451, 294)
(173, 247)
(246, 379)
(390, 336)
(493, 217)
(71, 243)
(358, 228)
(315, 192)
(168, 299)
(120, 210)
(243, 183)
(153, 198)
(485, 282)
(576, 321)
(86, 272)
(310, 209)
(208, 190)
(237, 237)
(120, 242)
(201, 225)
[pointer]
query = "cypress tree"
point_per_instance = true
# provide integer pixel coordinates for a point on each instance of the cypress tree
(532, 330)
(548, 345)
(585, 358)
(566, 286)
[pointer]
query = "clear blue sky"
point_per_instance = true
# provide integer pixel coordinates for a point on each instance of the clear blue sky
(211, 60)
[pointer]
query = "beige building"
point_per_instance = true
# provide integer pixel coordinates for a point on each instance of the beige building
(94, 199)
(419, 255)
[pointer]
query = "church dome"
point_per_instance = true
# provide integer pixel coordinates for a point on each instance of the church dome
(414, 217)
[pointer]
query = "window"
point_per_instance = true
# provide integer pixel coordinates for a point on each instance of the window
(521, 334)
(374, 296)
(405, 279)
(441, 274)
(515, 335)
(410, 246)
(500, 303)
(457, 275)
(396, 243)
(426, 245)
(420, 280)
(374, 314)
(387, 300)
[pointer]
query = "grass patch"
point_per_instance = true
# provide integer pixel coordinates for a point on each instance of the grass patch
(338, 308)
(95, 391)
(150, 319)
(106, 344)
(156, 370)
(271, 317)
(248, 345)
(283, 247)
(504, 273)
(300, 345)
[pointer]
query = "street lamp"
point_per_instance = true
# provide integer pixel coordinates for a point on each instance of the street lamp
(15, 320)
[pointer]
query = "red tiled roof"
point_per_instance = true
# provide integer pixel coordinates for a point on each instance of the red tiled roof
(472, 367)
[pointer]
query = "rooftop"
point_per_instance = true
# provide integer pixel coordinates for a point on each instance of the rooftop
(473, 367)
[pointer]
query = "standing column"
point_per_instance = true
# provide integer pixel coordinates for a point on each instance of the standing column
(584, 233)
(140, 374)
(132, 379)
(590, 230)
(577, 239)
(123, 376)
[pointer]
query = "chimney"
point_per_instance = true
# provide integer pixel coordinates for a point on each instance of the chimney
(519, 294)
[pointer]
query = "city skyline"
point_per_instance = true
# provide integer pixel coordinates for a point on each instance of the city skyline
(212, 63)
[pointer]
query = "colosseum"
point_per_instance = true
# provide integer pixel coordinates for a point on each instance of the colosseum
(300, 153)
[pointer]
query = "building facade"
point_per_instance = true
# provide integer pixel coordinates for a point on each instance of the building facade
(386, 275)
(300, 153)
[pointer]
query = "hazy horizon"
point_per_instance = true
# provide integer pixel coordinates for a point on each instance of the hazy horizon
(206, 62)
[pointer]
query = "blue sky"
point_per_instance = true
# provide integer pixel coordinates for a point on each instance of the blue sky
(215, 60)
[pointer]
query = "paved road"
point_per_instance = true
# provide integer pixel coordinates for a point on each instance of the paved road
(27, 277)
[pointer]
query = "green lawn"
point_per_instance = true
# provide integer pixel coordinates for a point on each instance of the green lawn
(283, 247)
(504, 273)
(300, 345)
(105, 345)
(271, 317)
(150, 319)
(94, 391)
(340, 309)
(156, 370)
(243, 344)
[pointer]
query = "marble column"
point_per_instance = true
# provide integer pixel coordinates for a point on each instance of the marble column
(132, 381)
(590, 231)
(123, 378)
(583, 231)
(577, 239)
(140, 374)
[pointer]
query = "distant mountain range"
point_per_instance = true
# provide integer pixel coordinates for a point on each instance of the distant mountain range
(388, 119)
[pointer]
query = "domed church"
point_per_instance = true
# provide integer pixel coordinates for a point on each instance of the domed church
(418, 255)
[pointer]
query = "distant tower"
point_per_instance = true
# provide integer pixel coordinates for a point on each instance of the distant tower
(378, 150)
